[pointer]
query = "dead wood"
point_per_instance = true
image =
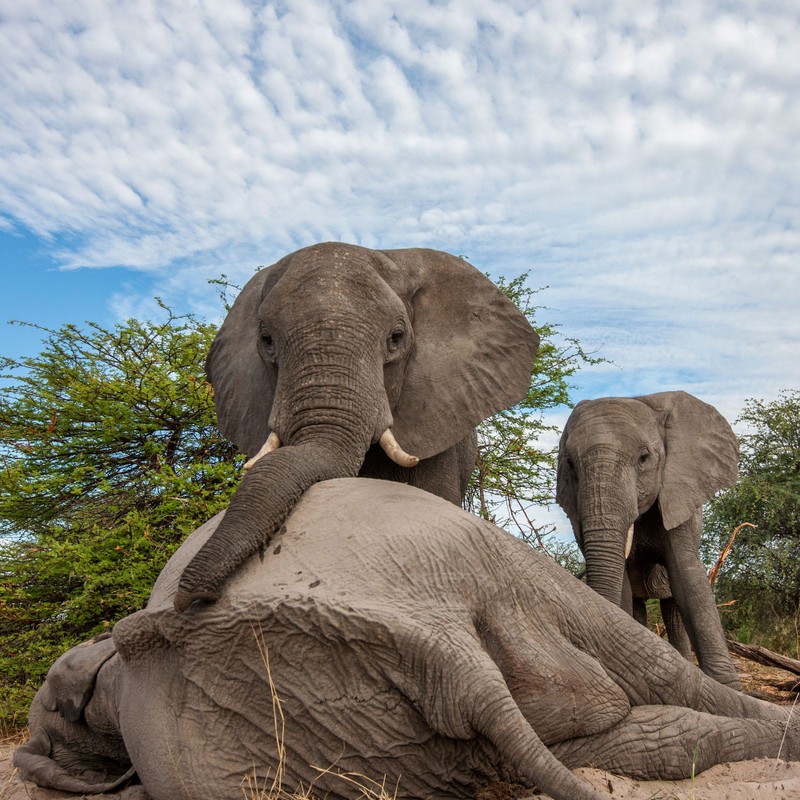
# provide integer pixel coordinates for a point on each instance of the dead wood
(761, 655)
(792, 685)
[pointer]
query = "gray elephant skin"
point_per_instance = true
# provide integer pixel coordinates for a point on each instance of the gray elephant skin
(405, 639)
(650, 462)
(340, 361)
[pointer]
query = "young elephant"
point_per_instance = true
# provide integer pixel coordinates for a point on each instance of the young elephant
(633, 474)
(405, 638)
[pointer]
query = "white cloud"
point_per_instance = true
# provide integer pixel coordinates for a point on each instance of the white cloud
(641, 158)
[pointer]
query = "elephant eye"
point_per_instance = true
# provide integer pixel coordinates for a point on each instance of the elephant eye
(644, 457)
(396, 339)
(268, 343)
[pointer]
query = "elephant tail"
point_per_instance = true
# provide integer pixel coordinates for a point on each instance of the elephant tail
(508, 730)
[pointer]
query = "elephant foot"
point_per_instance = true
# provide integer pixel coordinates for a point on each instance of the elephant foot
(689, 743)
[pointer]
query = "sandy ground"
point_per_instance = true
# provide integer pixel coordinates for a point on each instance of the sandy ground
(762, 779)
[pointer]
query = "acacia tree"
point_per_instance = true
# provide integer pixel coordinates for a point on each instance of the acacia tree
(762, 572)
(109, 457)
(515, 475)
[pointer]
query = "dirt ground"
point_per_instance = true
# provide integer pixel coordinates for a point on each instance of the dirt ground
(762, 779)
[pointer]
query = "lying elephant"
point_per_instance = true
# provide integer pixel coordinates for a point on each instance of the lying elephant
(388, 633)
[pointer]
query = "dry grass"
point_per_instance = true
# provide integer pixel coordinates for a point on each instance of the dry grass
(786, 728)
(13, 736)
(271, 787)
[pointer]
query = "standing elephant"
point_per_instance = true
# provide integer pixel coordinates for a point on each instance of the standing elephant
(341, 361)
(402, 638)
(633, 474)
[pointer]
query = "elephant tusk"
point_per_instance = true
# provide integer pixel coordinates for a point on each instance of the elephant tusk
(272, 443)
(629, 542)
(395, 452)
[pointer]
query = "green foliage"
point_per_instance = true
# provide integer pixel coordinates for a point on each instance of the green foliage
(762, 572)
(110, 456)
(515, 473)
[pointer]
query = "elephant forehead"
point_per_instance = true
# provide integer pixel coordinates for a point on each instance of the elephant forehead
(359, 536)
(337, 280)
(611, 421)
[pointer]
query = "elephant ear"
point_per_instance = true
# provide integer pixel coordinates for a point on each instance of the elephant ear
(702, 454)
(70, 681)
(244, 385)
(566, 485)
(473, 349)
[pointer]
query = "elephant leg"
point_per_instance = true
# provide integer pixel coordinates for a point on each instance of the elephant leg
(672, 743)
(676, 632)
(652, 672)
(461, 692)
(698, 609)
(640, 610)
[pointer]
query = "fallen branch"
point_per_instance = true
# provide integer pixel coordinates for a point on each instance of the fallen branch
(726, 551)
(792, 685)
(763, 656)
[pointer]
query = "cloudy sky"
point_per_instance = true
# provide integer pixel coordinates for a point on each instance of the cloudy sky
(641, 159)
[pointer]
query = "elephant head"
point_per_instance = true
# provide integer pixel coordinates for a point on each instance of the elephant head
(337, 348)
(621, 457)
(75, 743)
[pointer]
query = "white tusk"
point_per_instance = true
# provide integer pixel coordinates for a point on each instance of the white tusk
(629, 542)
(272, 443)
(395, 452)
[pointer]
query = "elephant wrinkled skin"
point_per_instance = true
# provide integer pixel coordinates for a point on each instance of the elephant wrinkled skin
(640, 469)
(408, 639)
(338, 353)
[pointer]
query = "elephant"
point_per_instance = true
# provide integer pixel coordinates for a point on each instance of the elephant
(632, 476)
(388, 633)
(340, 361)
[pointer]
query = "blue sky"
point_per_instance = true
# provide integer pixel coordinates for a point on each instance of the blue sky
(641, 159)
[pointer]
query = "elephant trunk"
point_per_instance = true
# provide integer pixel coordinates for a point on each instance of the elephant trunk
(266, 497)
(327, 425)
(604, 551)
(608, 508)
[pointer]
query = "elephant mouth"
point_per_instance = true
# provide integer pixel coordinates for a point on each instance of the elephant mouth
(387, 441)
